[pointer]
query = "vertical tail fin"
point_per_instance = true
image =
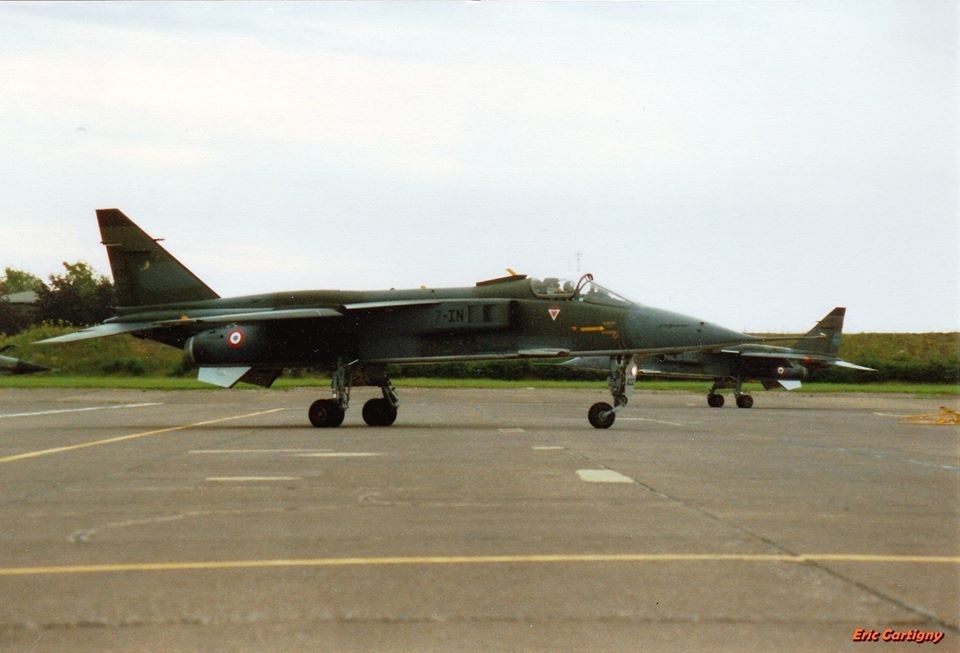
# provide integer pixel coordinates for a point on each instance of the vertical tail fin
(143, 271)
(831, 326)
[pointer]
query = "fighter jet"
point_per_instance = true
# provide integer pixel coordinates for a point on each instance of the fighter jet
(11, 365)
(355, 334)
(731, 366)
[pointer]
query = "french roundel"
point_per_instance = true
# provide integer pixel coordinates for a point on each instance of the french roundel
(235, 338)
(780, 370)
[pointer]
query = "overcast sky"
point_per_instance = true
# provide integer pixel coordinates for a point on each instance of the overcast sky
(752, 164)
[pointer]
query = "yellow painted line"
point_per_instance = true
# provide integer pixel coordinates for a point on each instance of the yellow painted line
(474, 560)
(591, 329)
(133, 436)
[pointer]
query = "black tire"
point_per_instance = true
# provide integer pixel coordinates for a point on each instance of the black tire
(744, 401)
(325, 413)
(600, 416)
(715, 401)
(379, 412)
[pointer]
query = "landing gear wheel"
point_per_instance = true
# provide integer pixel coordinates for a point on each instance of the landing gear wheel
(716, 401)
(601, 415)
(325, 413)
(379, 412)
(744, 401)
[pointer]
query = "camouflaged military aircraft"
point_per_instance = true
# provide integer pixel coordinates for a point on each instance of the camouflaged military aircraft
(356, 334)
(730, 367)
(11, 365)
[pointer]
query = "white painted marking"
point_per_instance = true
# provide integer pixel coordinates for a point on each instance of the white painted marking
(602, 476)
(511, 430)
(342, 454)
(647, 419)
(244, 479)
(79, 410)
(202, 451)
(548, 448)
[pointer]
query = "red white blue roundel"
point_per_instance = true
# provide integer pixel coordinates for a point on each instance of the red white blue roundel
(235, 337)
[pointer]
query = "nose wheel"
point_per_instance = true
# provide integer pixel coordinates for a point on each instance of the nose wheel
(601, 415)
(623, 375)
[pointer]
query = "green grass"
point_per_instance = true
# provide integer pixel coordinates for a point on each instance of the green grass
(181, 383)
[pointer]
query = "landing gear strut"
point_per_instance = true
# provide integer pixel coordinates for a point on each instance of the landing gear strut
(330, 412)
(623, 375)
(715, 400)
(376, 412)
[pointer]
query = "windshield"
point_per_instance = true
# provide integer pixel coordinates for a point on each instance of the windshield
(584, 290)
(594, 293)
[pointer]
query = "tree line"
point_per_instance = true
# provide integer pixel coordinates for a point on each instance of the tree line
(77, 296)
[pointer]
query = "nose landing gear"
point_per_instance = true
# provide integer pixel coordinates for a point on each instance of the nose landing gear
(623, 376)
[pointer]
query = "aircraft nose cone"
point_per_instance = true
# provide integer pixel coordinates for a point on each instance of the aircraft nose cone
(652, 328)
(23, 367)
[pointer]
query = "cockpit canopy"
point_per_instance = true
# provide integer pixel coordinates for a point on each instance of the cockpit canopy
(584, 290)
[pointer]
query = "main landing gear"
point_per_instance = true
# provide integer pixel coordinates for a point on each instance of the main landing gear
(623, 376)
(376, 412)
(715, 400)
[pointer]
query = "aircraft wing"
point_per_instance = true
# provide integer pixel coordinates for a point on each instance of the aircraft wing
(426, 301)
(116, 328)
(99, 331)
(540, 352)
(800, 356)
(544, 353)
(851, 366)
(254, 316)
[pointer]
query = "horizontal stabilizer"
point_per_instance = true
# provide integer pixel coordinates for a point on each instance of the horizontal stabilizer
(772, 384)
(99, 331)
(225, 377)
(263, 378)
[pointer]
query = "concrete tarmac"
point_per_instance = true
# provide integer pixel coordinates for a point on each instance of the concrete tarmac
(493, 520)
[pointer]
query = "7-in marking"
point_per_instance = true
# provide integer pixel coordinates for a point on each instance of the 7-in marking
(132, 436)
